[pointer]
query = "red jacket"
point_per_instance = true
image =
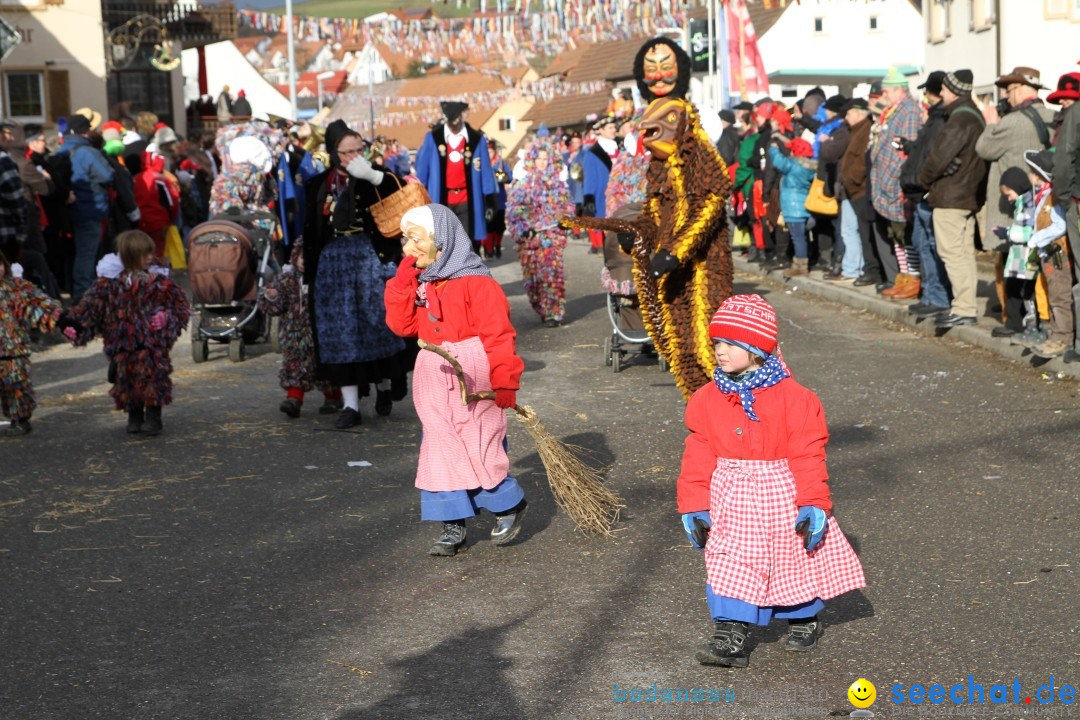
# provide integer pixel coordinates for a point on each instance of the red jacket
(153, 188)
(792, 426)
(472, 306)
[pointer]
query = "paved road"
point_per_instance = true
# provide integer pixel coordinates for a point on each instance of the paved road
(237, 567)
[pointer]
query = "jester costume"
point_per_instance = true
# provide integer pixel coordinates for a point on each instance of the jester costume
(22, 306)
(682, 260)
(533, 210)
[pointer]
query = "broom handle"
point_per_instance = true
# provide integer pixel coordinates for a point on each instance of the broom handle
(466, 397)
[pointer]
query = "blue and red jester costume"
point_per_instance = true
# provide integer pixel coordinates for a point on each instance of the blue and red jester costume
(22, 306)
(754, 491)
(287, 297)
(139, 314)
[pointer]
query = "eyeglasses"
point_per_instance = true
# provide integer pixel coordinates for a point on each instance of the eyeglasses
(345, 153)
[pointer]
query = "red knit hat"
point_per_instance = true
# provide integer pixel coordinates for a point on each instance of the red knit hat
(801, 148)
(746, 319)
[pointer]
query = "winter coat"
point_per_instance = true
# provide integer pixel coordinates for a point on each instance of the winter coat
(470, 306)
(901, 120)
(157, 194)
(830, 153)
(909, 171)
(35, 184)
(965, 188)
(853, 170)
(1004, 145)
(792, 427)
(91, 178)
(728, 145)
(797, 175)
(1067, 156)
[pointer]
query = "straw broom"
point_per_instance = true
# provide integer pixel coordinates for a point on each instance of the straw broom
(578, 489)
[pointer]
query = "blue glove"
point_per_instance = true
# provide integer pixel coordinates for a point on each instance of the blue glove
(812, 523)
(696, 525)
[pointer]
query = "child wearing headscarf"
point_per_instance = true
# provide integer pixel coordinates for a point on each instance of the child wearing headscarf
(533, 211)
(754, 491)
(287, 297)
(445, 295)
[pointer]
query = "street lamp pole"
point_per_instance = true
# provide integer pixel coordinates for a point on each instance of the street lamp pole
(291, 55)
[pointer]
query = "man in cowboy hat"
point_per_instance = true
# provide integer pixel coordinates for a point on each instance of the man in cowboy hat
(596, 162)
(1067, 178)
(454, 165)
(1025, 127)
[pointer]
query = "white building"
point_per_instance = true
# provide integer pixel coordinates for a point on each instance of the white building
(367, 64)
(226, 65)
(842, 45)
(991, 37)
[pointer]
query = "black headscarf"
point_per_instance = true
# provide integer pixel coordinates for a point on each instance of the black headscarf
(1016, 180)
(334, 132)
(682, 61)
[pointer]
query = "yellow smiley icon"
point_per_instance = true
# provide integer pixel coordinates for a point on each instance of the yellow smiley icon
(862, 693)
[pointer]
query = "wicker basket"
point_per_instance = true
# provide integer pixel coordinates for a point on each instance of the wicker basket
(389, 210)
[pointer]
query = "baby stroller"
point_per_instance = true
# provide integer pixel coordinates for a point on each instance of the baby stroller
(230, 261)
(624, 310)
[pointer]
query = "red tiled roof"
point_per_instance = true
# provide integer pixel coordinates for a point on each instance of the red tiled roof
(567, 111)
(610, 61)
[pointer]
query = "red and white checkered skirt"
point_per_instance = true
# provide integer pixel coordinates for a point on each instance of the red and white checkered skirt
(462, 445)
(755, 555)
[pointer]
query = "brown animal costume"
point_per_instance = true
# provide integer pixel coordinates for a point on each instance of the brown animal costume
(682, 260)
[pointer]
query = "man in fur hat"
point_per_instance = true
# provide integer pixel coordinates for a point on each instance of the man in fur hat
(454, 165)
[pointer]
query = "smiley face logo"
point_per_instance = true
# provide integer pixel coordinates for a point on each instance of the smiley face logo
(862, 693)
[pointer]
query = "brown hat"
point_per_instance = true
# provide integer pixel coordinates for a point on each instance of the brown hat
(1023, 75)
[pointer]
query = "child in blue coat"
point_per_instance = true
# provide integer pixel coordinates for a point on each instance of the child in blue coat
(798, 171)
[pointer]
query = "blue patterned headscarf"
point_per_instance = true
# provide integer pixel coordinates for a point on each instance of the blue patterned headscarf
(767, 375)
(457, 259)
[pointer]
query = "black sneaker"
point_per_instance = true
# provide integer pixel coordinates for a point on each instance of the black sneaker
(508, 526)
(383, 403)
(153, 420)
(864, 280)
(19, 427)
(916, 308)
(1002, 331)
(348, 418)
(951, 320)
(928, 311)
(290, 406)
(803, 635)
(452, 538)
(727, 647)
(136, 418)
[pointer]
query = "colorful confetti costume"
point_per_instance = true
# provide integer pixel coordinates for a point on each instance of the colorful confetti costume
(297, 345)
(533, 211)
(683, 227)
(22, 306)
(119, 309)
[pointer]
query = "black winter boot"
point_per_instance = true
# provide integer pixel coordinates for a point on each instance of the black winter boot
(727, 647)
(803, 634)
(136, 418)
(452, 538)
(153, 420)
(383, 403)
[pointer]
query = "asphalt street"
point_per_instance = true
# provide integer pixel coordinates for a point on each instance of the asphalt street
(247, 566)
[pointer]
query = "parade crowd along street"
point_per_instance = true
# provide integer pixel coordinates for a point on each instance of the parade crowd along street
(362, 248)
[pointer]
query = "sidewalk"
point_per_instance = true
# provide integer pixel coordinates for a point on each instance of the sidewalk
(865, 298)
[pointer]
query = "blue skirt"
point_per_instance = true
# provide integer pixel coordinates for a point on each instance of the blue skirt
(350, 317)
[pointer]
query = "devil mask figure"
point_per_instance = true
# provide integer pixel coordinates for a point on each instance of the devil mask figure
(662, 69)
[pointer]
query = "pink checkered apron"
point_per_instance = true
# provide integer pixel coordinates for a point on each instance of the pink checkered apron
(462, 445)
(755, 555)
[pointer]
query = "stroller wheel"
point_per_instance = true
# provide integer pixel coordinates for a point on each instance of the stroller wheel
(200, 350)
(607, 351)
(275, 334)
(664, 367)
(236, 350)
(616, 361)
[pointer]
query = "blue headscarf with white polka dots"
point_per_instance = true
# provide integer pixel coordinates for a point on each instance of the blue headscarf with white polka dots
(767, 375)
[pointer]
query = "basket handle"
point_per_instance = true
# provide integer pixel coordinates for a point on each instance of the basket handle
(396, 178)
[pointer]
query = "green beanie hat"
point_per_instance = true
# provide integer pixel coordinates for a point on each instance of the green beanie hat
(894, 78)
(113, 147)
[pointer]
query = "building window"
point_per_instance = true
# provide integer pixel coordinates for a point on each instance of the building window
(819, 25)
(982, 14)
(25, 95)
(873, 22)
(506, 124)
(939, 21)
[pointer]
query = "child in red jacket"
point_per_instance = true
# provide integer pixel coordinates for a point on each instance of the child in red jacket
(444, 294)
(754, 472)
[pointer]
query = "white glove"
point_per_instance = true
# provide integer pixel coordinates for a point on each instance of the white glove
(361, 169)
(135, 215)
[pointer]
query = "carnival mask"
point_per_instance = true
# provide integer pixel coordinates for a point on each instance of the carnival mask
(661, 124)
(661, 70)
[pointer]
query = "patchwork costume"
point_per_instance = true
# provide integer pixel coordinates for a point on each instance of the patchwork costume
(753, 468)
(454, 303)
(22, 306)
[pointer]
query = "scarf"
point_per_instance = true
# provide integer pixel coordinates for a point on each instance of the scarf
(768, 375)
(457, 259)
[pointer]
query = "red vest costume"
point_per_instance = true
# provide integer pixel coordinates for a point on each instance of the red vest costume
(456, 185)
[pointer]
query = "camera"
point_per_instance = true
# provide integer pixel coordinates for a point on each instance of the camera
(1003, 107)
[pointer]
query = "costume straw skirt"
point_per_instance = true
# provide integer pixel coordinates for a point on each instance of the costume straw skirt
(16, 390)
(462, 446)
(755, 555)
(355, 346)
